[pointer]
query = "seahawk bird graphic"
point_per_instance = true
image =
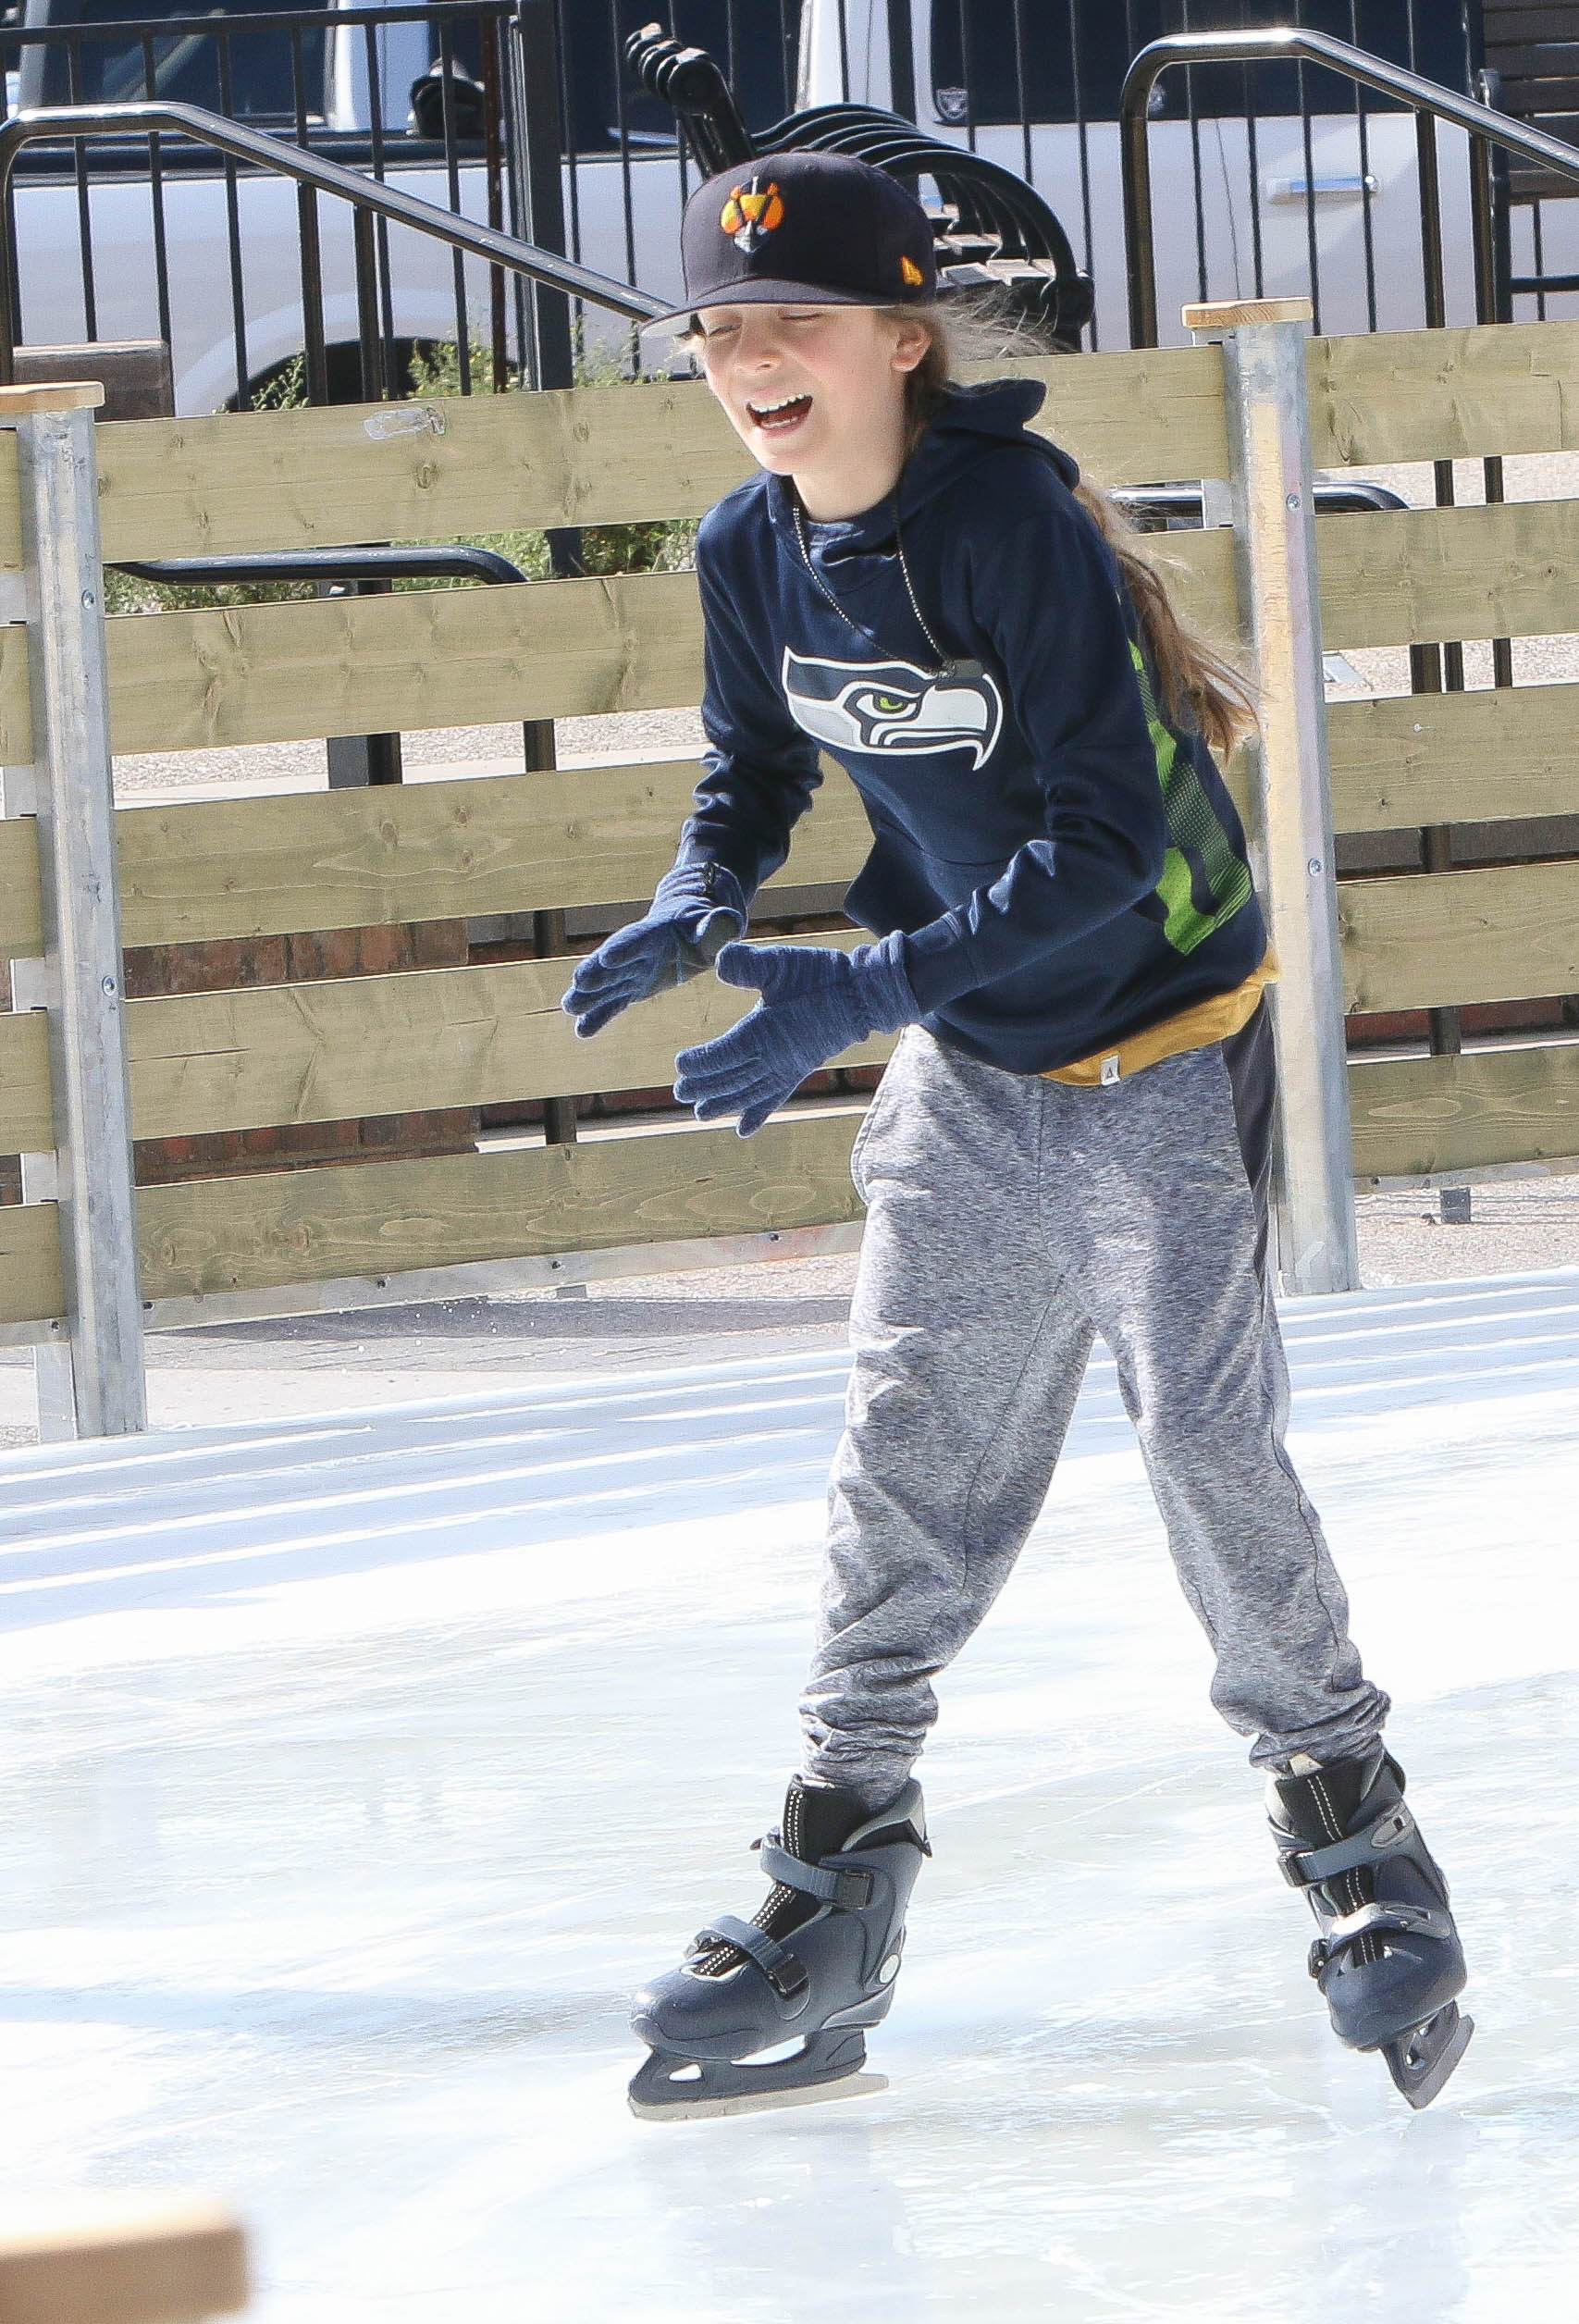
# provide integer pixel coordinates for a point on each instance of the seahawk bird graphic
(883, 706)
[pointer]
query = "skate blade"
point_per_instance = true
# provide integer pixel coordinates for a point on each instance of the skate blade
(757, 2101)
(1420, 2062)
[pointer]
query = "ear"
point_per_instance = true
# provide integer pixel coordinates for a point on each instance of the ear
(912, 340)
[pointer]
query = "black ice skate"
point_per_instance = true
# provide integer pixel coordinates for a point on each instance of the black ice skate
(815, 1968)
(1388, 1960)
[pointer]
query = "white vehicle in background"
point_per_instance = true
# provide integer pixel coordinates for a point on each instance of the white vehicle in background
(1201, 174)
(951, 64)
(114, 295)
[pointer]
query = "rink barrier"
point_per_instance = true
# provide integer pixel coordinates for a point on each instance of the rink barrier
(116, 2259)
(598, 836)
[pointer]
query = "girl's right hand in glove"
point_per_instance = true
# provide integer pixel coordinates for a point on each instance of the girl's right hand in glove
(698, 908)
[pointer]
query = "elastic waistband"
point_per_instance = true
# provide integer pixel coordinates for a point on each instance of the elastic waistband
(1209, 1021)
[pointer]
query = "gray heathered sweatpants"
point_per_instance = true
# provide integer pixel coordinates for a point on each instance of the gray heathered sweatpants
(1010, 1219)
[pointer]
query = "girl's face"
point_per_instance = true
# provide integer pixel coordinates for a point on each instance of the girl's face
(818, 393)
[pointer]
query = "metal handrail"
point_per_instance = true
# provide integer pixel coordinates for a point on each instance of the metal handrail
(370, 198)
(1313, 48)
(327, 566)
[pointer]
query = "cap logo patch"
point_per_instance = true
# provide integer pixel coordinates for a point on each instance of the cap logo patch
(911, 273)
(750, 214)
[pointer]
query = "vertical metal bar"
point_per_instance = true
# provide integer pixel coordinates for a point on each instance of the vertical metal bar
(1488, 303)
(11, 290)
(548, 930)
(1445, 1032)
(1314, 255)
(84, 208)
(565, 119)
(542, 186)
(514, 132)
(1366, 222)
(381, 235)
(966, 67)
(1273, 511)
(902, 62)
(1082, 140)
(1252, 166)
(98, 1379)
(1198, 192)
(493, 167)
(1022, 95)
(156, 192)
(315, 352)
(370, 338)
(233, 229)
(453, 174)
(627, 190)
(1140, 245)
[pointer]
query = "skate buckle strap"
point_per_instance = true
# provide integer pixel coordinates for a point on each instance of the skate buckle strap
(1371, 1920)
(1303, 1867)
(782, 1970)
(850, 1888)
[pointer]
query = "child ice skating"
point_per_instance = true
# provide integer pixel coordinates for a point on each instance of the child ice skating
(1072, 1137)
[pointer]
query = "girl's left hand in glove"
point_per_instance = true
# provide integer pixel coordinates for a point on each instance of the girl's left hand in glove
(815, 1003)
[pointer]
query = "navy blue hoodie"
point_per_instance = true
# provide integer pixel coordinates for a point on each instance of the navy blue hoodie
(1066, 869)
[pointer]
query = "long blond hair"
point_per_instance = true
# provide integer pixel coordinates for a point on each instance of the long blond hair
(1198, 682)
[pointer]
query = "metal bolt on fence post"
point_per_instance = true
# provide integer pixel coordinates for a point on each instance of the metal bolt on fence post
(1274, 508)
(90, 1379)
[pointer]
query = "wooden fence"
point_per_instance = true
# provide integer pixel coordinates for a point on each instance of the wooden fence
(535, 842)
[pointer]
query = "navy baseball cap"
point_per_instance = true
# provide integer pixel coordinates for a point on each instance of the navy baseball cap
(822, 229)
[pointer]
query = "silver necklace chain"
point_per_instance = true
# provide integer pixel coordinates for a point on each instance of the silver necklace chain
(946, 663)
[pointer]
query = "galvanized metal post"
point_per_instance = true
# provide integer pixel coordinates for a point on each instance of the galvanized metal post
(1273, 519)
(92, 1385)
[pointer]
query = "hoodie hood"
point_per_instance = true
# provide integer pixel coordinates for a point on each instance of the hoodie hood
(971, 420)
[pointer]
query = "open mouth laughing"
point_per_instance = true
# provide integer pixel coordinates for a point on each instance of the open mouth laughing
(780, 417)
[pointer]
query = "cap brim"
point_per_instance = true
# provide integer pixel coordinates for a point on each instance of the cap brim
(764, 292)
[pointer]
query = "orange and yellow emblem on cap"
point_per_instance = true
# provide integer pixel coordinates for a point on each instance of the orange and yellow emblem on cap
(751, 213)
(912, 274)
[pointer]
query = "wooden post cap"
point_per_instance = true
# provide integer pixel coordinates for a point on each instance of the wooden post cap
(1221, 314)
(114, 2259)
(66, 395)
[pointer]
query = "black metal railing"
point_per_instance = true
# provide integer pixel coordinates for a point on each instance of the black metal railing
(1429, 102)
(372, 200)
(432, 88)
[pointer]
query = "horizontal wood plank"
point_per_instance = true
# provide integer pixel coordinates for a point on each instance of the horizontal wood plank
(1441, 395)
(1454, 937)
(1416, 1116)
(29, 1262)
(601, 834)
(1481, 757)
(1409, 577)
(27, 1119)
(110, 2261)
(191, 681)
(16, 704)
(444, 467)
(21, 933)
(382, 1218)
(352, 1046)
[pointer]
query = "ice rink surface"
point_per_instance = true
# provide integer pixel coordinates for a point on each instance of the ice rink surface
(357, 1767)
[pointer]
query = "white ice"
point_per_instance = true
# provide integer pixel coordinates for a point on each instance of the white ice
(357, 1767)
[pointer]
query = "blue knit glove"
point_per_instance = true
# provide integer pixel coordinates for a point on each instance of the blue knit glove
(814, 1002)
(698, 908)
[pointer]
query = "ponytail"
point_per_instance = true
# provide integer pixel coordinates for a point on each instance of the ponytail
(1198, 684)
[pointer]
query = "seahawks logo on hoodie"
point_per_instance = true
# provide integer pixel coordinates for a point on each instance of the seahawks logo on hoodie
(892, 706)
